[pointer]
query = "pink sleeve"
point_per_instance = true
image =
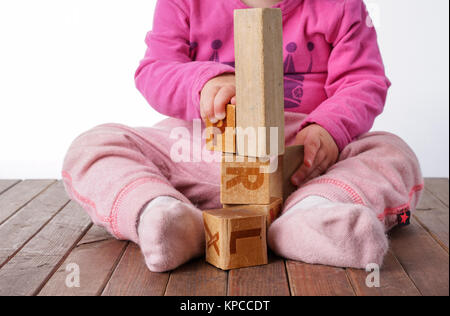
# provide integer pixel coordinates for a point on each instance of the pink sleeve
(356, 85)
(168, 79)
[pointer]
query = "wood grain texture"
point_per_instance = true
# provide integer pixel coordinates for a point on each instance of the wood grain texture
(438, 187)
(315, 280)
(394, 281)
(133, 278)
(433, 213)
(423, 259)
(221, 136)
(428, 201)
(436, 224)
(28, 271)
(7, 184)
(23, 225)
(259, 81)
(271, 211)
(247, 180)
(18, 196)
(417, 264)
(197, 278)
(268, 280)
(96, 255)
(434, 218)
(235, 238)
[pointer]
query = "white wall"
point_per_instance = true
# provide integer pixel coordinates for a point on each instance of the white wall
(68, 65)
(413, 36)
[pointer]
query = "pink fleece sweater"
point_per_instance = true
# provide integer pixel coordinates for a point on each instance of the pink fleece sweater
(333, 68)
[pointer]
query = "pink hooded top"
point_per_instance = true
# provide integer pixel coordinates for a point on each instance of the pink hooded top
(334, 72)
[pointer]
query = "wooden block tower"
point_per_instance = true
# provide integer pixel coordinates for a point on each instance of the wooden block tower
(251, 139)
(258, 35)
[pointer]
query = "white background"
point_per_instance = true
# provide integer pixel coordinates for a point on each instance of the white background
(68, 65)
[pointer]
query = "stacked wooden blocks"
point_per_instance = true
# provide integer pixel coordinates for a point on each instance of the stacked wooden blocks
(221, 136)
(251, 139)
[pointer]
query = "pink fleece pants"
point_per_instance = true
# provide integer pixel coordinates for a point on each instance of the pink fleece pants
(113, 171)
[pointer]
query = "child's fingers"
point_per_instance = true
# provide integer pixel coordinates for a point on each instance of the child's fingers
(312, 146)
(318, 171)
(304, 172)
(207, 104)
(223, 98)
(233, 100)
(299, 175)
(202, 114)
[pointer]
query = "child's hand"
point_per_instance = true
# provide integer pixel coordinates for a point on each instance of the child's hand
(216, 95)
(321, 152)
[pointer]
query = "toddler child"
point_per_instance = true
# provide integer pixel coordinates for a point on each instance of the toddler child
(354, 186)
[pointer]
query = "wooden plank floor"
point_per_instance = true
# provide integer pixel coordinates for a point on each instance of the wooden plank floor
(46, 239)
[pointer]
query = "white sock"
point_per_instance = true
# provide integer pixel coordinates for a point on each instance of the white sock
(157, 202)
(170, 233)
(309, 202)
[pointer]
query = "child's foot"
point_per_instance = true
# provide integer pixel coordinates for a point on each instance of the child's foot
(319, 231)
(170, 233)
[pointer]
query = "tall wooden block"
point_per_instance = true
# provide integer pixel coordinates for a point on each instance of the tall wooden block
(259, 82)
(271, 211)
(246, 180)
(235, 239)
(292, 160)
(222, 136)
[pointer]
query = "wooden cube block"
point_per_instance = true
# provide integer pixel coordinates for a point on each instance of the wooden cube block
(235, 239)
(271, 211)
(247, 180)
(222, 135)
(292, 160)
(259, 82)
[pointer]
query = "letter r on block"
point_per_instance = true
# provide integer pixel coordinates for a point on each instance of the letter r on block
(242, 175)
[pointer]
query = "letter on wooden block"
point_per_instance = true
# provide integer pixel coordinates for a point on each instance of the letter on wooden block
(250, 180)
(271, 211)
(222, 135)
(292, 160)
(235, 239)
(259, 82)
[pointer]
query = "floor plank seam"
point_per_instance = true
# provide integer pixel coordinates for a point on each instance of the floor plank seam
(290, 282)
(113, 269)
(349, 279)
(287, 277)
(227, 290)
(168, 282)
(28, 202)
(437, 197)
(10, 187)
(406, 272)
(61, 261)
(432, 235)
(29, 239)
(94, 242)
